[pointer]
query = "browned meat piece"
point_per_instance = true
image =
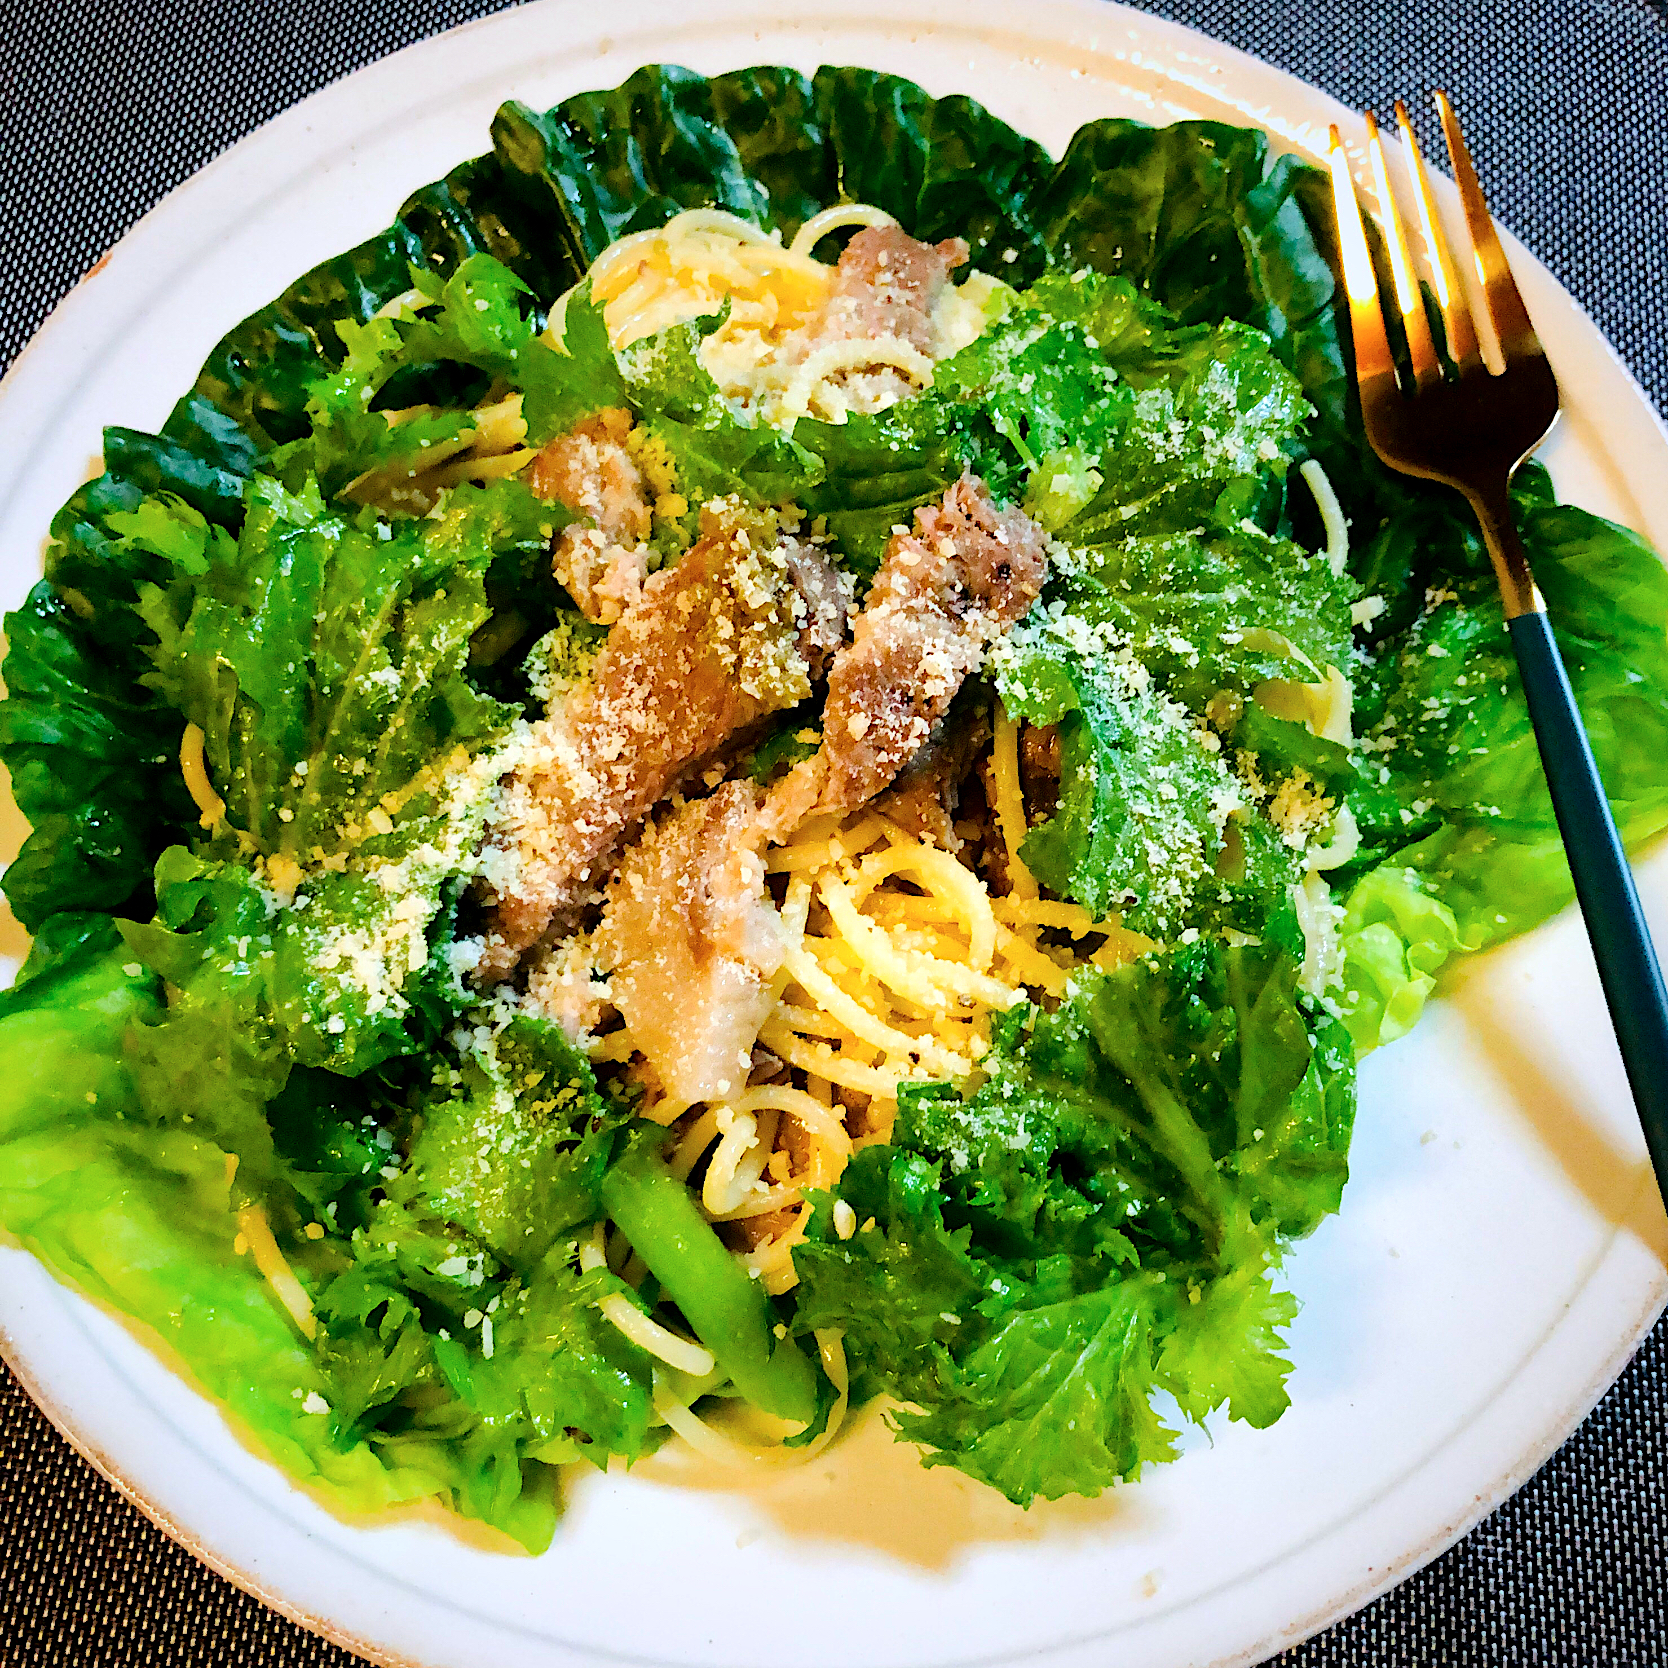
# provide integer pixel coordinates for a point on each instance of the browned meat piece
(767, 1068)
(1039, 752)
(692, 940)
(924, 798)
(562, 984)
(752, 1231)
(824, 604)
(982, 849)
(600, 561)
(589, 471)
(1039, 769)
(874, 340)
(886, 284)
(944, 593)
(736, 630)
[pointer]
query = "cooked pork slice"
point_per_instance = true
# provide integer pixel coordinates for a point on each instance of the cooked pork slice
(752, 1231)
(1039, 769)
(944, 593)
(824, 604)
(736, 630)
(563, 986)
(692, 940)
(600, 559)
(886, 284)
(926, 794)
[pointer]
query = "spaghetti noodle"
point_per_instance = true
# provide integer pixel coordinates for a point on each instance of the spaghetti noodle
(896, 951)
(898, 956)
(488, 448)
(255, 1236)
(764, 354)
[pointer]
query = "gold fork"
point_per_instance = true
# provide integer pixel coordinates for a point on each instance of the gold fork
(1471, 430)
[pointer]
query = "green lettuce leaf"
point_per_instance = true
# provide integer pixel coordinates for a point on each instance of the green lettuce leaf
(1143, 799)
(93, 754)
(514, 1151)
(1098, 1221)
(1172, 599)
(442, 1361)
(144, 1220)
(1453, 783)
(562, 384)
(1395, 939)
(323, 662)
(1038, 379)
(432, 358)
(711, 452)
(379, 1409)
(876, 471)
(1181, 551)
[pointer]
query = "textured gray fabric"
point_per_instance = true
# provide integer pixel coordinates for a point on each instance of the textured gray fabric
(103, 109)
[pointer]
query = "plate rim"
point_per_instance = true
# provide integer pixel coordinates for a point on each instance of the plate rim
(1168, 38)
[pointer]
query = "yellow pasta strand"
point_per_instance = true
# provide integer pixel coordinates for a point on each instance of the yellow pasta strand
(195, 771)
(952, 882)
(719, 1445)
(1010, 802)
(256, 1232)
(1033, 965)
(846, 1010)
(836, 219)
(825, 1062)
(929, 980)
(648, 1334)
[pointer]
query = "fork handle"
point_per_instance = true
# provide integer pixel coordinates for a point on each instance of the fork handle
(1621, 940)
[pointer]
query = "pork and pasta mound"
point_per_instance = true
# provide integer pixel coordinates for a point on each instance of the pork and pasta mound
(808, 807)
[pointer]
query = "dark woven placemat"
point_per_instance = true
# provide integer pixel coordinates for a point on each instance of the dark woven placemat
(103, 108)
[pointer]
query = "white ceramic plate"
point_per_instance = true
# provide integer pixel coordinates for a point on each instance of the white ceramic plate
(1501, 1250)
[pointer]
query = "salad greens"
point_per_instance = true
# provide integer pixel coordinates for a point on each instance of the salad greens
(1097, 1221)
(721, 1301)
(1308, 785)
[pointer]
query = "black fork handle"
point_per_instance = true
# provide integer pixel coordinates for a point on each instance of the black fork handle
(1621, 940)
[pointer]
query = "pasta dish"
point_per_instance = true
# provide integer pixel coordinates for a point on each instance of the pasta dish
(721, 780)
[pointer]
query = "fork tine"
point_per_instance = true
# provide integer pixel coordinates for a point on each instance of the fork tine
(1421, 349)
(1505, 305)
(1450, 291)
(1372, 345)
